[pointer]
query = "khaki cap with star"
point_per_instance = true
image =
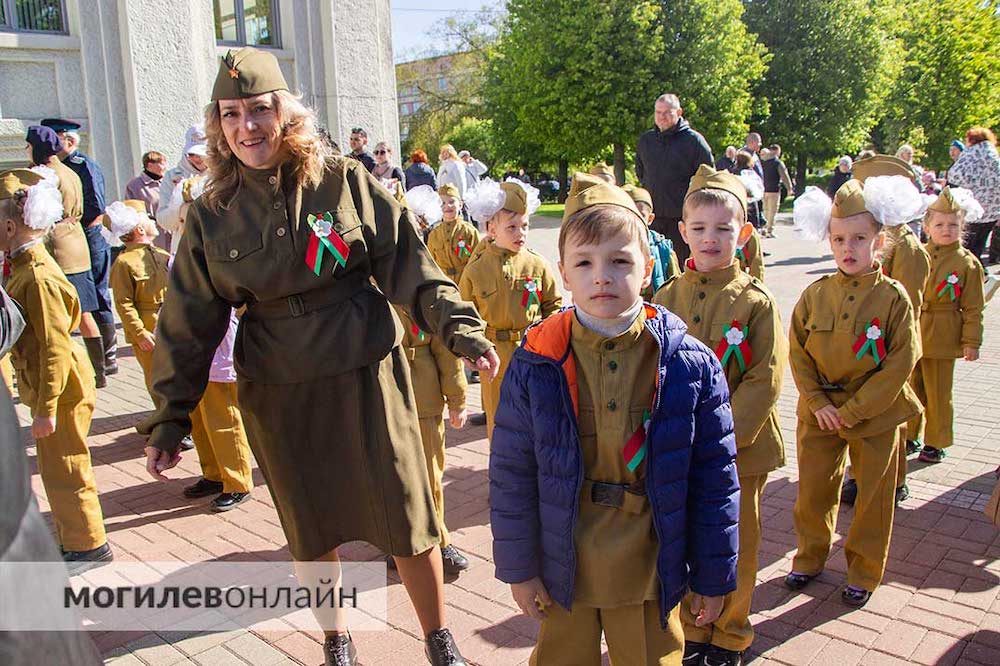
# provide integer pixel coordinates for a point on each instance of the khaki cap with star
(882, 165)
(449, 190)
(588, 190)
(849, 200)
(707, 178)
(247, 72)
(516, 200)
(17, 179)
(946, 203)
(639, 194)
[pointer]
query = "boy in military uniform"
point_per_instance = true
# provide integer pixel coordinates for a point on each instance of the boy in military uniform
(738, 318)
(664, 258)
(54, 377)
(511, 286)
(952, 318)
(634, 430)
(852, 349)
(452, 241)
(138, 278)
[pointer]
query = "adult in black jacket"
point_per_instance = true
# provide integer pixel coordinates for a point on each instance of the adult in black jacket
(665, 160)
(841, 175)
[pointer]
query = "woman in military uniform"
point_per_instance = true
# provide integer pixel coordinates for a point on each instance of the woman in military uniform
(301, 239)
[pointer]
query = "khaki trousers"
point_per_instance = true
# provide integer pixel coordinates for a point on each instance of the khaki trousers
(65, 467)
(145, 360)
(221, 441)
(432, 436)
(772, 200)
(633, 633)
(7, 371)
(733, 631)
(933, 380)
(491, 389)
(822, 456)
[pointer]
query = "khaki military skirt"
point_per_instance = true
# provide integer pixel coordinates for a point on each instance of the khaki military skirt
(343, 460)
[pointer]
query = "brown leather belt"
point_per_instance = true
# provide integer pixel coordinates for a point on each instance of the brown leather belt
(414, 352)
(616, 496)
(510, 335)
(298, 305)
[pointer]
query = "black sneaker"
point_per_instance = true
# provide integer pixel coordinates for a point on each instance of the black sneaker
(902, 493)
(229, 501)
(454, 561)
(849, 492)
(694, 653)
(78, 561)
(796, 581)
(203, 488)
(339, 650)
(913, 446)
(440, 648)
(855, 596)
(187, 443)
(717, 656)
(932, 455)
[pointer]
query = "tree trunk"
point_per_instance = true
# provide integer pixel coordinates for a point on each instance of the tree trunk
(563, 180)
(800, 173)
(619, 163)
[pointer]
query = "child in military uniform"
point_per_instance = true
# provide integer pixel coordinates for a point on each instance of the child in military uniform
(852, 349)
(952, 320)
(54, 378)
(511, 286)
(138, 277)
(737, 317)
(452, 241)
(612, 423)
(664, 258)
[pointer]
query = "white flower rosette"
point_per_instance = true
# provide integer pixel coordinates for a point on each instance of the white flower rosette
(811, 214)
(734, 336)
(873, 332)
(44, 205)
(485, 201)
(121, 220)
(893, 200)
(424, 201)
(966, 200)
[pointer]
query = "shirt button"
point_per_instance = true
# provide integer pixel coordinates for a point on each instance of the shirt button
(281, 231)
(701, 295)
(851, 297)
(612, 405)
(844, 316)
(609, 345)
(704, 280)
(854, 284)
(696, 319)
(277, 205)
(234, 253)
(612, 365)
(272, 179)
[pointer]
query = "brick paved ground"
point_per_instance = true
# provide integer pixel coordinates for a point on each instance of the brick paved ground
(939, 603)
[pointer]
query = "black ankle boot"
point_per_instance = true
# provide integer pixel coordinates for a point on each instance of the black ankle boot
(109, 338)
(440, 648)
(339, 651)
(95, 350)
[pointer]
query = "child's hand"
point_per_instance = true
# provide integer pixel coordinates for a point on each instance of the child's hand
(43, 426)
(828, 418)
(706, 609)
(457, 418)
(971, 354)
(146, 341)
(531, 597)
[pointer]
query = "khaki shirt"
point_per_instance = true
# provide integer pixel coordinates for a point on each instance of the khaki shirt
(451, 244)
(438, 375)
(708, 303)
(51, 368)
(949, 326)
(907, 262)
(299, 326)
(616, 548)
(752, 259)
(139, 282)
(832, 315)
(66, 241)
(496, 283)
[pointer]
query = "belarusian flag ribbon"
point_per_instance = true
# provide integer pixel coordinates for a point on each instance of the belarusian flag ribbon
(635, 447)
(873, 339)
(735, 343)
(950, 286)
(325, 238)
(530, 294)
(462, 249)
(417, 333)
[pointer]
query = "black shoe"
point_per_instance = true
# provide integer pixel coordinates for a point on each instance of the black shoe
(913, 446)
(694, 653)
(902, 493)
(187, 444)
(454, 561)
(717, 656)
(440, 648)
(229, 501)
(339, 651)
(203, 488)
(849, 492)
(932, 455)
(474, 377)
(95, 352)
(856, 597)
(796, 581)
(109, 339)
(78, 561)
(478, 419)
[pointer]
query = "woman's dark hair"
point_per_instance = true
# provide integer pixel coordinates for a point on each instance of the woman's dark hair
(744, 159)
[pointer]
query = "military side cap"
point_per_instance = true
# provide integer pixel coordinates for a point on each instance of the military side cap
(247, 72)
(882, 165)
(849, 200)
(639, 195)
(449, 190)
(601, 169)
(60, 125)
(707, 178)
(588, 190)
(17, 179)
(516, 199)
(946, 202)
(137, 205)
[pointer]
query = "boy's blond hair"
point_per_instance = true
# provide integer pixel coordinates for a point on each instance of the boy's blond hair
(595, 224)
(713, 197)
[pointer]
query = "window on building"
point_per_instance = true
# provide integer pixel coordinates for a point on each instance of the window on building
(246, 22)
(442, 83)
(33, 16)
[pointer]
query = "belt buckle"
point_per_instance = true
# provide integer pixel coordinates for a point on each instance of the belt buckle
(296, 305)
(831, 387)
(607, 494)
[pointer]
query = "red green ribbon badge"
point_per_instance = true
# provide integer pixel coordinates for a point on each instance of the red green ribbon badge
(741, 255)
(530, 294)
(635, 447)
(872, 340)
(417, 333)
(325, 238)
(950, 286)
(462, 249)
(734, 343)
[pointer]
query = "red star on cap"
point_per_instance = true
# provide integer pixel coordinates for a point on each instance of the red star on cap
(233, 74)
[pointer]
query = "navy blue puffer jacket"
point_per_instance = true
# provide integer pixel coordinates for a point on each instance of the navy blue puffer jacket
(536, 468)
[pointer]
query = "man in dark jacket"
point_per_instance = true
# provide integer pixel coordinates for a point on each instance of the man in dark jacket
(359, 148)
(841, 175)
(665, 160)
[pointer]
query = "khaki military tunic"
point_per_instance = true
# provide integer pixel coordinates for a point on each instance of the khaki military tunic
(451, 244)
(66, 241)
(906, 261)
(55, 378)
(139, 282)
(751, 257)
(496, 282)
(323, 384)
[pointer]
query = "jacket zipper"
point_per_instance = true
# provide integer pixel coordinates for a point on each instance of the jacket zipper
(650, 486)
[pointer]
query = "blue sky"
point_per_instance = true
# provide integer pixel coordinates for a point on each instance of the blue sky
(413, 22)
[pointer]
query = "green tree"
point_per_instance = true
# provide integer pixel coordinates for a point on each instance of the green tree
(950, 78)
(828, 78)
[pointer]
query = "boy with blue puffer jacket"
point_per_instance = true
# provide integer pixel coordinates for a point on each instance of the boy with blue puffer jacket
(613, 485)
